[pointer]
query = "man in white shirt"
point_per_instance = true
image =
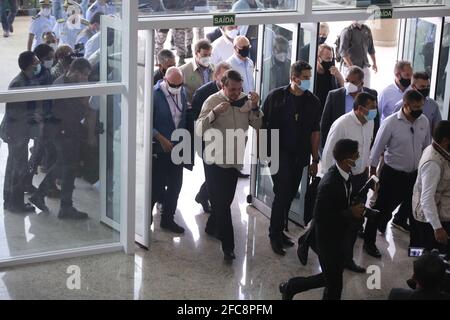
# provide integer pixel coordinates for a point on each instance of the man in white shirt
(223, 48)
(431, 198)
(392, 94)
(358, 126)
(240, 62)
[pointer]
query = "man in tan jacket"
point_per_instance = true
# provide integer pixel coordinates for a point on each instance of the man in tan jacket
(225, 118)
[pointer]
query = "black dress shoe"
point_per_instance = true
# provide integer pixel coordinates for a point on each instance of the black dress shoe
(25, 208)
(302, 250)
(285, 294)
(39, 202)
(287, 242)
(243, 175)
(171, 226)
(372, 250)
(72, 214)
(229, 256)
(204, 203)
(277, 247)
(352, 266)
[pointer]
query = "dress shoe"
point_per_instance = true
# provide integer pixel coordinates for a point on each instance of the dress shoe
(277, 247)
(229, 256)
(11, 29)
(372, 250)
(24, 208)
(5, 33)
(352, 266)
(205, 204)
(39, 202)
(302, 251)
(171, 226)
(72, 213)
(287, 242)
(212, 233)
(284, 290)
(243, 175)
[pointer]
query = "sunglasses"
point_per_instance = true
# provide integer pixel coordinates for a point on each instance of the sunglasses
(175, 86)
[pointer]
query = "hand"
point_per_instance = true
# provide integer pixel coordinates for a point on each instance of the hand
(222, 108)
(334, 71)
(375, 68)
(358, 211)
(313, 169)
(247, 107)
(166, 144)
(254, 98)
(441, 236)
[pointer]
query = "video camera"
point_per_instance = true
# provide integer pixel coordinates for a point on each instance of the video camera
(78, 51)
(361, 197)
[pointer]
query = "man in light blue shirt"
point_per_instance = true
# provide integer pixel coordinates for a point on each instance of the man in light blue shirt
(402, 138)
(421, 83)
(392, 94)
(240, 62)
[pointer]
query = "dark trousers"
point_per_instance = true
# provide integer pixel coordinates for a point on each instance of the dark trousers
(396, 188)
(222, 187)
(8, 10)
(285, 186)
(67, 160)
(358, 181)
(331, 277)
(15, 173)
(167, 179)
(203, 192)
(427, 240)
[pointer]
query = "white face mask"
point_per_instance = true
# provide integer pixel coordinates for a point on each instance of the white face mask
(46, 12)
(350, 87)
(205, 61)
(281, 56)
(173, 91)
(232, 33)
(48, 63)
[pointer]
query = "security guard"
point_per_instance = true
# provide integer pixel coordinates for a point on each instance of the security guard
(67, 30)
(91, 30)
(104, 6)
(41, 23)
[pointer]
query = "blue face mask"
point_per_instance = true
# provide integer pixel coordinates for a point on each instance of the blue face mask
(37, 69)
(305, 85)
(372, 115)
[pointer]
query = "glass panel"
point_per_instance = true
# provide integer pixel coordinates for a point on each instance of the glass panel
(58, 155)
(443, 80)
(308, 45)
(34, 25)
(350, 4)
(162, 7)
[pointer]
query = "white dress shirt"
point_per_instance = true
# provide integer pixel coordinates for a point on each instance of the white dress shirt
(348, 126)
(430, 175)
(245, 68)
(175, 104)
(388, 99)
(222, 50)
(92, 45)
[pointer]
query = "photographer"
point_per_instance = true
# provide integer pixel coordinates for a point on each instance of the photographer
(431, 197)
(427, 281)
(333, 214)
(64, 56)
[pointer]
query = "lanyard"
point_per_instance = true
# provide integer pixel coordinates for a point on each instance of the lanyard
(176, 102)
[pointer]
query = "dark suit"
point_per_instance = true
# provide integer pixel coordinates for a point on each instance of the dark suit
(335, 108)
(332, 217)
(408, 294)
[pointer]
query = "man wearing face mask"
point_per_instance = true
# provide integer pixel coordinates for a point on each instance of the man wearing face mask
(169, 114)
(431, 199)
(357, 125)
(67, 29)
(242, 63)
(15, 130)
(324, 31)
(165, 60)
(402, 138)
(341, 101)
(278, 64)
(223, 48)
(49, 38)
(295, 112)
(393, 93)
(40, 23)
(328, 76)
(91, 30)
(421, 83)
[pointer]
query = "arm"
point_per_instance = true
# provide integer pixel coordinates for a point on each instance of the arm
(30, 41)
(381, 141)
(345, 45)
(327, 156)
(206, 118)
(326, 122)
(371, 51)
(430, 176)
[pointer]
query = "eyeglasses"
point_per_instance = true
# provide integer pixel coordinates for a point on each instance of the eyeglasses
(175, 86)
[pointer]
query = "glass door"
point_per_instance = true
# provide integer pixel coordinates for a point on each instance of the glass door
(443, 80)
(295, 42)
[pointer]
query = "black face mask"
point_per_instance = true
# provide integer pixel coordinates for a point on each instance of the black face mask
(322, 40)
(327, 65)
(244, 52)
(425, 92)
(416, 113)
(405, 82)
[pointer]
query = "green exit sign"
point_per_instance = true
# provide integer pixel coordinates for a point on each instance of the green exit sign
(224, 20)
(386, 13)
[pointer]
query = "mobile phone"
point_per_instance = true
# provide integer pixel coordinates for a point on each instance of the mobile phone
(415, 252)
(239, 103)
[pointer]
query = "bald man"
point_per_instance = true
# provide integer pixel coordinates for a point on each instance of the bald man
(169, 114)
(241, 62)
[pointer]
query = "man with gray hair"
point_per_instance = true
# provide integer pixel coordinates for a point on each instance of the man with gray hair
(165, 60)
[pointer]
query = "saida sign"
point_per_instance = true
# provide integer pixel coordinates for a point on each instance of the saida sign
(224, 20)
(384, 13)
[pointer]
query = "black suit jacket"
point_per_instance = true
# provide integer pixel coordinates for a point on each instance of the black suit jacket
(335, 108)
(332, 214)
(408, 294)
